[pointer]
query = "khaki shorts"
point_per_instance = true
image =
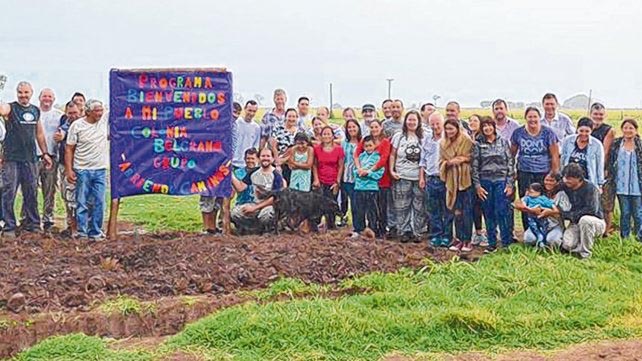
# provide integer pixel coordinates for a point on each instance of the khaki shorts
(209, 204)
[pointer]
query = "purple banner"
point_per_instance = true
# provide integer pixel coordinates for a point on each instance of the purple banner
(171, 132)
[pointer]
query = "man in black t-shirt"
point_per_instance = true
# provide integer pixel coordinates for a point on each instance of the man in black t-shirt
(24, 130)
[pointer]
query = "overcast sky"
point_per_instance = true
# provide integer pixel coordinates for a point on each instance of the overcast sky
(462, 50)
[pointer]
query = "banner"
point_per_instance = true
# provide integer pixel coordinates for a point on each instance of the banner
(171, 131)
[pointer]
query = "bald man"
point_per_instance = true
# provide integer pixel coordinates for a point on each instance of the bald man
(24, 133)
(50, 119)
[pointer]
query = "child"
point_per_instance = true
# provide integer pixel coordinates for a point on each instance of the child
(535, 199)
(366, 190)
(300, 162)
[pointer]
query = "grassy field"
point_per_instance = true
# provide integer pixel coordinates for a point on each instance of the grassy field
(519, 299)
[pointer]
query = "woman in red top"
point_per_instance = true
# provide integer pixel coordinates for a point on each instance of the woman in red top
(383, 147)
(328, 169)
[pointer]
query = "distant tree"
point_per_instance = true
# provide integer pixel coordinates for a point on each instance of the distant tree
(486, 104)
(238, 97)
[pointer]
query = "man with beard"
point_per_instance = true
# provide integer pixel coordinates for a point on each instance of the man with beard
(504, 124)
(393, 125)
(259, 214)
(24, 131)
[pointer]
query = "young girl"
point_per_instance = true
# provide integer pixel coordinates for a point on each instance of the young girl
(300, 162)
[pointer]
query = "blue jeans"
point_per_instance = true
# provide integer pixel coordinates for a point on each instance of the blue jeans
(25, 175)
(90, 187)
(497, 211)
(436, 207)
(630, 207)
(461, 215)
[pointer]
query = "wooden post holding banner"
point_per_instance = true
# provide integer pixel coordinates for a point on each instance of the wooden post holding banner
(112, 225)
(226, 216)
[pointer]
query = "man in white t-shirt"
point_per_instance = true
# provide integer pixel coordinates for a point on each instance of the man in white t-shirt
(86, 163)
(50, 119)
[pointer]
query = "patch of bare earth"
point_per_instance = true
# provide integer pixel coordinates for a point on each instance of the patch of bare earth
(50, 285)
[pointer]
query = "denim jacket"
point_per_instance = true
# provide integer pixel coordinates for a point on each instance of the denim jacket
(594, 158)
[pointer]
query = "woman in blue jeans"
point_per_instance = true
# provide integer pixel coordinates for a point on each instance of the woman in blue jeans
(493, 173)
(625, 177)
(455, 151)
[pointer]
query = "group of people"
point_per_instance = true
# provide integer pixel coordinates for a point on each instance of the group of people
(44, 148)
(412, 175)
(421, 174)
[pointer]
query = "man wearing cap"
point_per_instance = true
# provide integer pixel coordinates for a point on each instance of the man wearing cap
(368, 112)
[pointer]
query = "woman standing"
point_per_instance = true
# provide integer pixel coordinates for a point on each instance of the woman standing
(583, 149)
(383, 147)
(454, 170)
(625, 177)
(538, 152)
(605, 134)
(407, 196)
(328, 168)
(353, 137)
(282, 140)
(324, 114)
(315, 131)
(493, 176)
(474, 124)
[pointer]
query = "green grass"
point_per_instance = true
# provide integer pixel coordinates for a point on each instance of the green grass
(520, 299)
(78, 347)
(127, 306)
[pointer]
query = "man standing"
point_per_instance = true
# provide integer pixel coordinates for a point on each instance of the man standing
(50, 119)
(67, 189)
(394, 124)
(249, 134)
(584, 214)
(24, 130)
(426, 110)
(452, 112)
(303, 108)
(258, 215)
(86, 163)
(559, 122)
(368, 112)
(505, 125)
(386, 107)
(273, 117)
(435, 196)
(79, 99)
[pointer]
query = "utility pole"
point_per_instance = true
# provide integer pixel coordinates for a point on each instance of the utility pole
(3, 81)
(330, 107)
(389, 80)
(588, 106)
